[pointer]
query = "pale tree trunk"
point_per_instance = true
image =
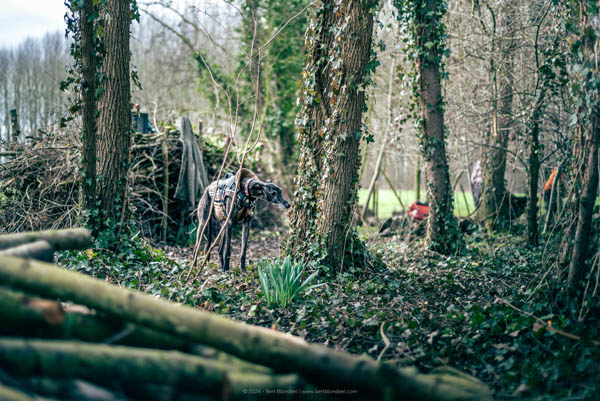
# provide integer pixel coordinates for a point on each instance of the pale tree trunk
(442, 230)
(384, 140)
(252, 29)
(115, 120)
(494, 206)
(330, 132)
(88, 67)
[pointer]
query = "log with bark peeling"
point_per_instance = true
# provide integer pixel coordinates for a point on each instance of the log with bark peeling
(282, 352)
(72, 238)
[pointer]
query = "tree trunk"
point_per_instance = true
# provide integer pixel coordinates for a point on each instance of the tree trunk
(495, 206)
(13, 394)
(127, 366)
(330, 132)
(14, 126)
(71, 238)
(384, 140)
(39, 250)
(587, 138)
(577, 268)
(442, 229)
(115, 118)
(88, 69)
(534, 170)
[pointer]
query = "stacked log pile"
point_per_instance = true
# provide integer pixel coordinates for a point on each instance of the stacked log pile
(68, 336)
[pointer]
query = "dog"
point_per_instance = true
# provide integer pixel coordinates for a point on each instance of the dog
(223, 195)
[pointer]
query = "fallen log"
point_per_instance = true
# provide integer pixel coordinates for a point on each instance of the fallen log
(71, 238)
(282, 352)
(26, 316)
(70, 389)
(39, 250)
(122, 366)
(12, 394)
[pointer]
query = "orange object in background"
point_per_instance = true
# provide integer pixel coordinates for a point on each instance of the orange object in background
(550, 181)
(418, 210)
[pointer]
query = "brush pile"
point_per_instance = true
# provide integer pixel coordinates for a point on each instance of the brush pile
(39, 185)
(68, 336)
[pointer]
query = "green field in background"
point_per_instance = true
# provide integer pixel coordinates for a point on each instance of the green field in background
(388, 203)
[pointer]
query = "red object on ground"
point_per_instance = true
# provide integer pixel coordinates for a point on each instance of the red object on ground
(418, 210)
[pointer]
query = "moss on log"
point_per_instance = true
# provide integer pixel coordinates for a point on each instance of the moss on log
(127, 366)
(72, 238)
(70, 389)
(12, 394)
(26, 316)
(39, 250)
(282, 352)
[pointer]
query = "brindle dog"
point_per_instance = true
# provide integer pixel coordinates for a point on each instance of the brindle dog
(222, 195)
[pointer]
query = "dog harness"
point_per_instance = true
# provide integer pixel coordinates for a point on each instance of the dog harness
(226, 188)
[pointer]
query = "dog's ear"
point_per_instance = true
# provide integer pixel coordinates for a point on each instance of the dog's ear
(256, 189)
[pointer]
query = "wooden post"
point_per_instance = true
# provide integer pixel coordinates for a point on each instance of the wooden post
(14, 125)
(418, 179)
(203, 173)
(165, 197)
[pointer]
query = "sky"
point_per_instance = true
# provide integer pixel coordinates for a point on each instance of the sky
(22, 18)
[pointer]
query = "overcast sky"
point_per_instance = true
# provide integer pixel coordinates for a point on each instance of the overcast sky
(22, 18)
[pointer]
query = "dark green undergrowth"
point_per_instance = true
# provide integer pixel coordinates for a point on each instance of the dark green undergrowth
(486, 312)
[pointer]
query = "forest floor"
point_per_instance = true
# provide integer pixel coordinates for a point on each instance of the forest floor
(494, 312)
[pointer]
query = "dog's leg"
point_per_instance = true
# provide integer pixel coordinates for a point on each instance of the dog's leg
(245, 235)
(208, 240)
(227, 256)
(220, 250)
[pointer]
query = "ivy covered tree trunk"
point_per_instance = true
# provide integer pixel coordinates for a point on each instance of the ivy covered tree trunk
(586, 81)
(115, 120)
(494, 207)
(330, 129)
(442, 230)
(88, 69)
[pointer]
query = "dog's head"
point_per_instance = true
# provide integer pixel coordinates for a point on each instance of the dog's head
(269, 192)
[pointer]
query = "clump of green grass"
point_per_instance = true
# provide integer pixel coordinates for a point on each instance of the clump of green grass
(281, 280)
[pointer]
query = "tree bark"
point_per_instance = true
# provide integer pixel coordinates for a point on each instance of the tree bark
(39, 250)
(443, 234)
(115, 118)
(331, 131)
(282, 352)
(127, 366)
(70, 238)
(587, 138)
(494, 208)
(577, 268)
(13, 394)
(310, 123)
(88, 70)
(534, 170)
